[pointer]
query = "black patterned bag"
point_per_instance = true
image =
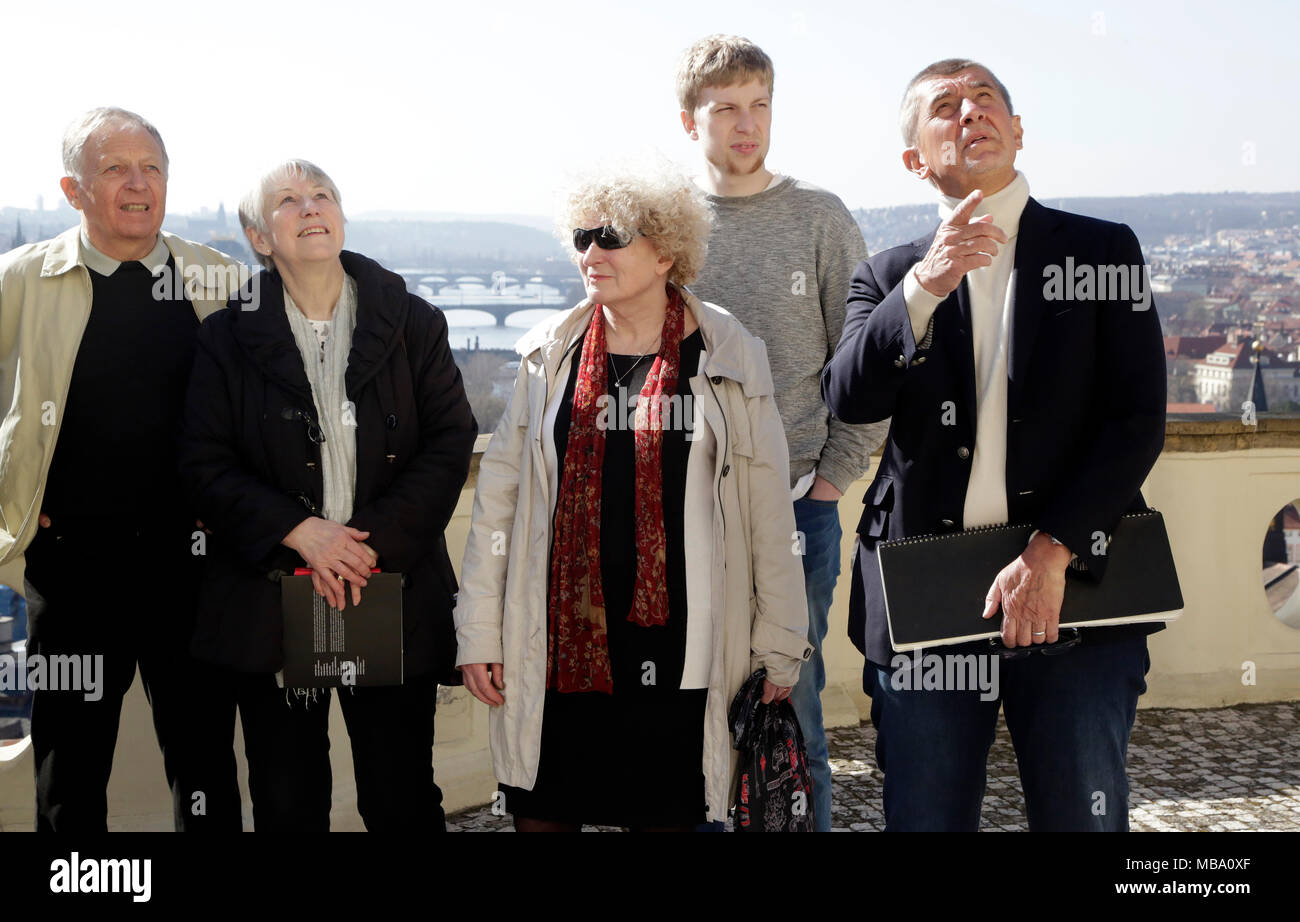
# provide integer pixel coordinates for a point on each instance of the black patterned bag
(774, 788)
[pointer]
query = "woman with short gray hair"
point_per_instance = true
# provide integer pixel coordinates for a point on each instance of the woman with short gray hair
(327, 428)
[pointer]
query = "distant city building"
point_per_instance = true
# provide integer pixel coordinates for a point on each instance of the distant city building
(1192, 348)
(232, 246)
(1224, 377)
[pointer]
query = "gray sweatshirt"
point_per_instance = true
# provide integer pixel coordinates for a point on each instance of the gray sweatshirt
(781, 261)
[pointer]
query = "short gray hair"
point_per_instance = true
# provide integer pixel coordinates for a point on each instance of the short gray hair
(80, 131)
(252, 207)
(946, 68)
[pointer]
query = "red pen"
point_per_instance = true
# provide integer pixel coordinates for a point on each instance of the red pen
(306, 571)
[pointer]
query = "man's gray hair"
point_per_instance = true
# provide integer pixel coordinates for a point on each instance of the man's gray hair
(911, 106)
(85, 127)
(252, 207)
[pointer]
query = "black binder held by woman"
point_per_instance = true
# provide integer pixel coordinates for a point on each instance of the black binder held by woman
(935, 585)
(356, 645)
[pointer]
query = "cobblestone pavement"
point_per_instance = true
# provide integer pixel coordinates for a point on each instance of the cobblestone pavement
(1189, 770)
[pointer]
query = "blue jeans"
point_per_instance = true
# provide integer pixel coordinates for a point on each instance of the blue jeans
(819, 521)
(1069, 717)
(15, 706)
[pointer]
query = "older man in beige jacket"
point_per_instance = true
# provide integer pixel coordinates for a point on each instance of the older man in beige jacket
(96, 337)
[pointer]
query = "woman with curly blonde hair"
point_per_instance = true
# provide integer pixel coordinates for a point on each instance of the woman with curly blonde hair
(631, 557)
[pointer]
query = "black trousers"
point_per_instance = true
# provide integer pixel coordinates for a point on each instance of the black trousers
(286, 741)
(117, 599)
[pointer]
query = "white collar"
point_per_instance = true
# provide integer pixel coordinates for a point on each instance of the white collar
(92, 258)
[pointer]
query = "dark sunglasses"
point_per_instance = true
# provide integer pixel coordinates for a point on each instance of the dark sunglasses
(605, 237)
(1067, 639)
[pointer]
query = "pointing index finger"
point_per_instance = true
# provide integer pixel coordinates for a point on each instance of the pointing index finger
(968, 205)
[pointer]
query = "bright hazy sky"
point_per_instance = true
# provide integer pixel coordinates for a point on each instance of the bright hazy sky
(483, 106)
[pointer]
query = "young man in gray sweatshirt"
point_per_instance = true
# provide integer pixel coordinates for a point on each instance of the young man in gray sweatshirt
(780, 258)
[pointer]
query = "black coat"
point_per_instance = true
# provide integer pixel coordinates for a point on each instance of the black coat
(254, 474)
(1085, 403)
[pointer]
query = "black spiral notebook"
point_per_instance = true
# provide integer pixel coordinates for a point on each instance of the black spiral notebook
(357, 645)
(935, 585)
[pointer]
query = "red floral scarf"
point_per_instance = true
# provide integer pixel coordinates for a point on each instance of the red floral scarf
(577, 654)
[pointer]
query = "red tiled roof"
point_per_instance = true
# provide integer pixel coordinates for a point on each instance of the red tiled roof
(1192, 347)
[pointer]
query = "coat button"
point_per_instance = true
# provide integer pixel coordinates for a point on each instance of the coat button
(716, 379)
(900, 362)
(947, 523)
(963, 452)
(391, 421)
(726, 469)
(919, 360)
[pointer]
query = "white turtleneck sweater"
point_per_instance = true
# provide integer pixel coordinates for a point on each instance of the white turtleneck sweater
(990, 289)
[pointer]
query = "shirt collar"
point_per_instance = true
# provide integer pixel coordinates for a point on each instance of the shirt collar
(107, 265)
(1005, 205)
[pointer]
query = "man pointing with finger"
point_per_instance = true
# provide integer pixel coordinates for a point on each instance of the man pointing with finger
(1007, 406)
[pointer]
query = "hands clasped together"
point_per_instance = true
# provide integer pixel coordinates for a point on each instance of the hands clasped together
(335, 553)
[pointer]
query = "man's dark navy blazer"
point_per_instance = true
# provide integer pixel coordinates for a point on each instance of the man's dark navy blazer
(1085, 403)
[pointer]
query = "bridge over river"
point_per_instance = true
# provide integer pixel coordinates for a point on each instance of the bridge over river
(497, 293)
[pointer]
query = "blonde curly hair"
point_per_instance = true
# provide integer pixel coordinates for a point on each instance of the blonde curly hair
(654, 199)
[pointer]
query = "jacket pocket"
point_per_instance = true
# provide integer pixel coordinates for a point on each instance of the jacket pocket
(879, 502)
